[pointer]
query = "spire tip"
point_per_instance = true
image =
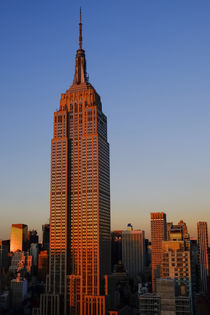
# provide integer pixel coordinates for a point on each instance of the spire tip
(80, 30)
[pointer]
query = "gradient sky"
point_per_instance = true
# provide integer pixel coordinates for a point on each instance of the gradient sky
(150, 62)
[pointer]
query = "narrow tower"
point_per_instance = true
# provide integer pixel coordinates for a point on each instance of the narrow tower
(158, 234)
(202, 230)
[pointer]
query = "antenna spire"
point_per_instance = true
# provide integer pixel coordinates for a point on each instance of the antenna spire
(80, 30)
(80, 75)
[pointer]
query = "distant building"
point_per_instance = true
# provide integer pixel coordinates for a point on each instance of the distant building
(116, 247)
(117, 290)
(165, 288)
(158, 234)
(4, 302)
(165, 301)
(147, 276)
(129, 227)
(133, 251)
(29, 263)
(46, 236)
(21, 262)
(43, 265)
(4, 250)
(17, 262)
(34, 252)
(179, 231)
(33, 237)
(18, 289)
(202, 231)
(149, 304)
(168, 225)
(172, 301)
(148, 252)
(176, 264)
(184, 229)
(19, 237)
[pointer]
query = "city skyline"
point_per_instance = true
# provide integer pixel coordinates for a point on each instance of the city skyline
(161, 175)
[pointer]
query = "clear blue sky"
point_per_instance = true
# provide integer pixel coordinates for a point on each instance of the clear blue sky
(150, 62)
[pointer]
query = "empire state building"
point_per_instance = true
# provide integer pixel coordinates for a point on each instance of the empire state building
(79, 201)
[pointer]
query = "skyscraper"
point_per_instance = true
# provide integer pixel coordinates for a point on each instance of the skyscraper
(158, 234)
(203, 254)
(80, 251)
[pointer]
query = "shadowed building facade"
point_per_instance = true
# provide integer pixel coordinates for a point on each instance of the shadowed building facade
(45, 237)
(202, 231)
(80, 247)
(116, 247)
(133, 252)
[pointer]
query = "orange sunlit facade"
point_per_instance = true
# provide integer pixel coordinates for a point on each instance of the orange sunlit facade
(18, 238)
(80, 199)
(158, 234)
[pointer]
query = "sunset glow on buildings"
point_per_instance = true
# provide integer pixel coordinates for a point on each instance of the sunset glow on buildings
(80, 248)
(158, 234)
(150, 62)
(19, 235)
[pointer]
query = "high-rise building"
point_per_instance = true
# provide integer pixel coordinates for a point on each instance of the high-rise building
(43, 265)
(133, 252)
(80, 245)
(19, 237)
(116, 237)
(148, 253)
(45, 236)
(194, 267)
(158, 234)
(19, 288)
(178, 231)
(34, 252)
(21, 262)
(176, 264)
(33, 237)
(4, 250)
(184, 230)
(203, 254)
(118, 291)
